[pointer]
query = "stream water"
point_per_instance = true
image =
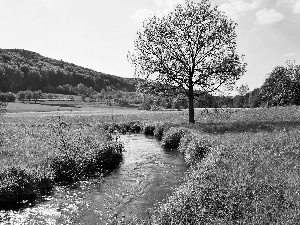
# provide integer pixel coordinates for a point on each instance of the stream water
(145, 178)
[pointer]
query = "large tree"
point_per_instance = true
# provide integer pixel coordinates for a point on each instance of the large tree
(191, 50)
(282, 86)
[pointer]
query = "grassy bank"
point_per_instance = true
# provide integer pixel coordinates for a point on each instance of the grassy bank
(244, 170)
(35, 156)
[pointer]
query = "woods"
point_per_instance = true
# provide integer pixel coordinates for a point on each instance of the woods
(21, 70)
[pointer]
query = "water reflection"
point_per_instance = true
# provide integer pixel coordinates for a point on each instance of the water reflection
(145, 177)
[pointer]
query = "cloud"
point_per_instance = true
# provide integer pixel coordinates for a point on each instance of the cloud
(289, 54)
(285, 3)
(268, 16)
(296, 8)
(167, 6)
(235, 8)
(293, 4)
(163, 8)
(141, 14)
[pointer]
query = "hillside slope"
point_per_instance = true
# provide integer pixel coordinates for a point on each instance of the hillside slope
(21, 70)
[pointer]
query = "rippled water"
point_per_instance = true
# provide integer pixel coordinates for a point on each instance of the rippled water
(145, 178)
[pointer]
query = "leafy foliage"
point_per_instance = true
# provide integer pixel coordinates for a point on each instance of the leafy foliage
(191, 48)
(19, 184)
(282, 86)
(80, 155)
(172, 137)
(7, 97)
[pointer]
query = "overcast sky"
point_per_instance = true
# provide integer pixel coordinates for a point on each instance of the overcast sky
(98, 34)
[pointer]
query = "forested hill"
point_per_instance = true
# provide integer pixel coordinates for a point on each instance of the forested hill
(21, 70)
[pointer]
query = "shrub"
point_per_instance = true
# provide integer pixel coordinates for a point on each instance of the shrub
(172, 137)
(109, 156)
(133, 126)
(194, 148)
(79, 154)
(160, 129)
(148, 129)
(18, 184)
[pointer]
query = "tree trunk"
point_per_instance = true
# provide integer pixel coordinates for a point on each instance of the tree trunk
(191, 102)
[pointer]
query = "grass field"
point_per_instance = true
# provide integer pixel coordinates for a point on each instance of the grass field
(251, 174)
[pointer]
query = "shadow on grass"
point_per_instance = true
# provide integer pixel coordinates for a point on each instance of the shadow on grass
(241, 127)
(61, 105)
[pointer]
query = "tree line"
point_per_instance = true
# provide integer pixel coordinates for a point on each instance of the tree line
(21, 70)
(280, 88)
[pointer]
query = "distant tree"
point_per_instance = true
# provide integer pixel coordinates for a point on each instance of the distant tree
(176, 104)
(21, 95)
(83, 97)
(26, 81)
(37, 95)
(191, 50)
(254, 98)
(81, 89)
(278, 88)
(29, 95)
(3, 86)
(243, 89)
(35, 79)
(13, 77)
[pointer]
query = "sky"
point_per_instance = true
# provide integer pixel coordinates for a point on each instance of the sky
(98, 34)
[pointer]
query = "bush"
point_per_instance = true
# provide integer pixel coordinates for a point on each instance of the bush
(17, 185)
(81, 155)
(133, 126)
(160, 129)
(172, 137)
(193, 148)
(7, 97)
(109, 156)
(148, 129)
(73, 167)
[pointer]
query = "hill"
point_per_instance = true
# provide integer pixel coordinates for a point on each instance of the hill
(21, 70)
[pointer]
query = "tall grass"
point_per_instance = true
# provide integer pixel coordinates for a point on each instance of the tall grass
(245, 179)
(34, 156)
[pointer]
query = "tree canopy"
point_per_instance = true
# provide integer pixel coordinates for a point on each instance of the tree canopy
(282, 86)
(191, 50)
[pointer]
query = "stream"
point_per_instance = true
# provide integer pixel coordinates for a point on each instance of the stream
(145, 178)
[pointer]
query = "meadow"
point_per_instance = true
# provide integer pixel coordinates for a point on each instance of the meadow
(243, 162)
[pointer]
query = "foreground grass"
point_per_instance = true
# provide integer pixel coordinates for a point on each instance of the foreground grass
(245, 179)
(34, 156)
(244, 164)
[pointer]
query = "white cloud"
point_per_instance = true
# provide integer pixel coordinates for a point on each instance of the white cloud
(293, 4)
(268, 16)
(296, 8)
(163, 7)
(285, 3)
(141, 14)
(167, 5)
(235, 8)
(289, 54)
